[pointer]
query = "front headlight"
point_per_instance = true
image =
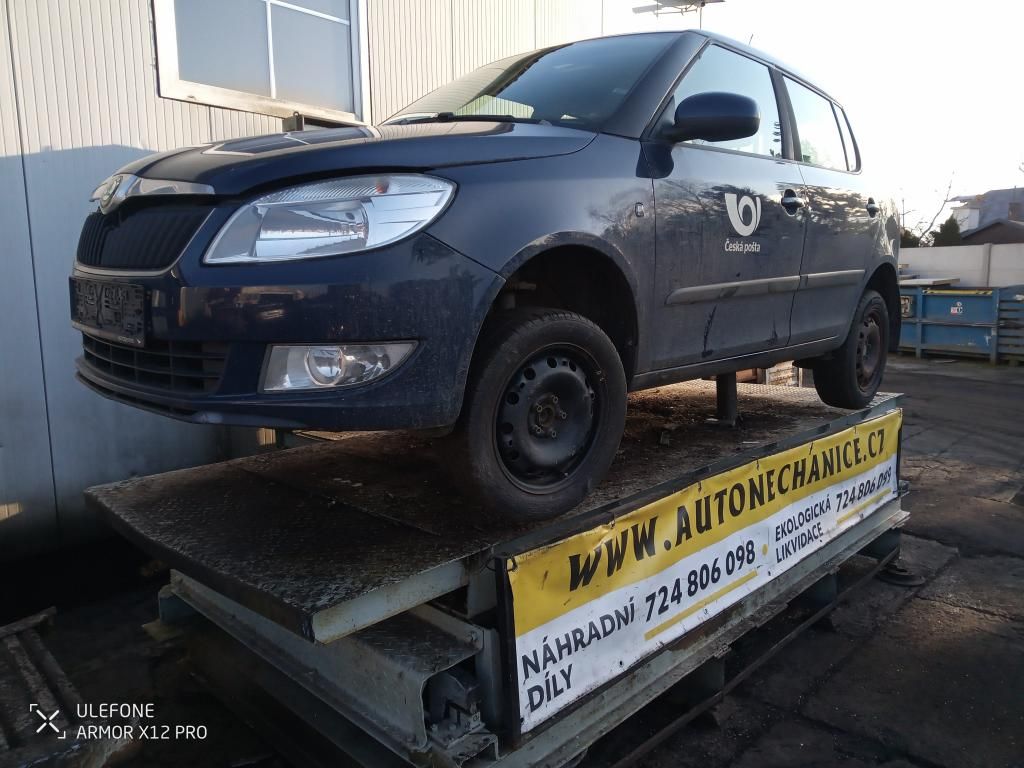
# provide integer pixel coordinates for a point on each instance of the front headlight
(330, 218)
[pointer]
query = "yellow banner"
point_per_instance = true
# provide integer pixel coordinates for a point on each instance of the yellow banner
(554, 580)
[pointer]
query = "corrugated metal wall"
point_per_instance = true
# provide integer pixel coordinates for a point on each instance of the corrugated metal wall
(417, 45)
(26, 480)
(78, 98)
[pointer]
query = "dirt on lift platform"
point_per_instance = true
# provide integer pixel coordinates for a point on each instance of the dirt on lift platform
(296, 532)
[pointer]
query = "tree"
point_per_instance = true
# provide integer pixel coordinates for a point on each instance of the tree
(948, 233)
(920, 234)
(926, 232)
(908, 239)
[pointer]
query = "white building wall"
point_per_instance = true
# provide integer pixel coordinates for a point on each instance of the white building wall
(407, 59)
(562, 21)
(78, 98)
(485, 31)
(966, 218)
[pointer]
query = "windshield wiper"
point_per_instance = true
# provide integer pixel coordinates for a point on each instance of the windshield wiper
(451, 117)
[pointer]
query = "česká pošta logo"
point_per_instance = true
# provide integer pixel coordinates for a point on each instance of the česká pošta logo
(744, 215)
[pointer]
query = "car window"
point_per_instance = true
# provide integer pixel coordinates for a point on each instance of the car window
(820, 143)
(719, 69)
(581, 84)
(852, 160)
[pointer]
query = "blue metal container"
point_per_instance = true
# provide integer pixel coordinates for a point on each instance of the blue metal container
(956, 321)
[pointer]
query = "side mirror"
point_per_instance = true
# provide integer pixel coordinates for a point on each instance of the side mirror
(715, 116)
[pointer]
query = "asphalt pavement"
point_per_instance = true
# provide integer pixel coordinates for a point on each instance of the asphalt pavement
(922, 677)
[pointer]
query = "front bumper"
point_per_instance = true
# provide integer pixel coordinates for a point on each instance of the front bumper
(418, 289)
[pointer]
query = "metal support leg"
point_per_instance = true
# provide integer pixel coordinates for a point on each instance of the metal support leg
(700, 686)
(883, 545)
(171, 608)
(725, 392)
(823, 592)
(894, 572)
(899, 575)
(705, 681)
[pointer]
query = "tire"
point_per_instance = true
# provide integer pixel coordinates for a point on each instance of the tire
(851, 377)
(543, 414)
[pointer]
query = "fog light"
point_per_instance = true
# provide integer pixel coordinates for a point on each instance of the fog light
(321, 366)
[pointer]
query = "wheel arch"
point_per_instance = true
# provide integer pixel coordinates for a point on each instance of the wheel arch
(885, 280)
(579, 273)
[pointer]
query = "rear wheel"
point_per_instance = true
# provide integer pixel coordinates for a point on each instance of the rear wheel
(543, 414)
(852, 376)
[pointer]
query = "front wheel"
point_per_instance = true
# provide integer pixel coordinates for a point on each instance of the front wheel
(544, 411)
(852, 376)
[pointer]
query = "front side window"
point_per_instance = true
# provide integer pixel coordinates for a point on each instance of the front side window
(719, 69)
(820, 141)
(579, 85)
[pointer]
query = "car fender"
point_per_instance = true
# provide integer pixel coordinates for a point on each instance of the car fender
(505, 214)
(573, 240)
(541, 245)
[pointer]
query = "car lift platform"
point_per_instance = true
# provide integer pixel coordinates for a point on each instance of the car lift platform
(348, 586)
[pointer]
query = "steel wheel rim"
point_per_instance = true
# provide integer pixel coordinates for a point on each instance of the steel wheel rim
(547, 418)
(869, 350)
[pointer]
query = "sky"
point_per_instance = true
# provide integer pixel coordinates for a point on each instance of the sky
(933, 89)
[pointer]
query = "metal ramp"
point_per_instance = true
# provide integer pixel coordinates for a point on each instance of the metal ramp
(368, 592)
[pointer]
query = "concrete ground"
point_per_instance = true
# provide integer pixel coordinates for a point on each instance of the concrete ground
(931, 676)
(928, 677)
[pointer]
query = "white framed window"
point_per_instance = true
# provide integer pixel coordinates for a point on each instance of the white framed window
(273, 57)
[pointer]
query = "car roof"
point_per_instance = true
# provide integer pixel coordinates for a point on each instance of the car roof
(743, 48)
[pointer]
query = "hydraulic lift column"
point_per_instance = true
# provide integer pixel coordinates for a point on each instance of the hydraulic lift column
(726, 399)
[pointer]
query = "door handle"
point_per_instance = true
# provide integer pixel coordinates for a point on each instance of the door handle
(791, 202)
(872, 207)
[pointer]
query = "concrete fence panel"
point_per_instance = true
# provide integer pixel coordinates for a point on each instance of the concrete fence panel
(976, 265)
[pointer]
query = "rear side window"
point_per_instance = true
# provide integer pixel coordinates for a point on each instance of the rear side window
(852, 160)
(820, 142)
(719, 69)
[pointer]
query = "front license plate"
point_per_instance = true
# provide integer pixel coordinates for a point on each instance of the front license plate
(115, 311)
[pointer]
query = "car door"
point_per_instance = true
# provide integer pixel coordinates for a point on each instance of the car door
(729, 229)
(843, 225)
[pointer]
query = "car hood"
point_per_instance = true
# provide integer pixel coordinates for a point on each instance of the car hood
(234, 167)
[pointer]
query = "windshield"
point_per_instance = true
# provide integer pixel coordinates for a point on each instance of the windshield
(580, 84)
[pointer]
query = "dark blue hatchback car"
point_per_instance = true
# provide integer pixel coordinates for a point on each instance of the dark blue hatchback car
(507, 257)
